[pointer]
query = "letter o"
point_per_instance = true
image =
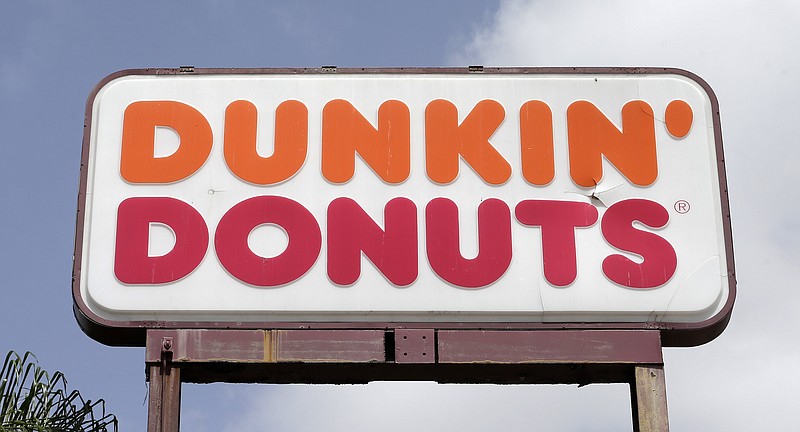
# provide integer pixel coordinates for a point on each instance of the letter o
(235, 255)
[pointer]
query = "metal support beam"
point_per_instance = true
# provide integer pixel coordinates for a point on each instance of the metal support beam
(649, 399)
(164, 404)
(403, 354)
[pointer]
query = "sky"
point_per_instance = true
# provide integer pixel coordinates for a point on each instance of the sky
(52, 53)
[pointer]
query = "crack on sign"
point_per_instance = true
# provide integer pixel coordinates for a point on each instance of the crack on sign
(600, 195)
(688, 278)
(652, 316)
(606, 195)
(594, 198)
(541, 301)
(653, 115)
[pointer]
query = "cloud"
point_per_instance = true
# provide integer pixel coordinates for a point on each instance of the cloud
(744, 50)
(741, 48)
(620, 33)
(738, 382)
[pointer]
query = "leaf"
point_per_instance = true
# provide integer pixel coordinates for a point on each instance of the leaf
(33, 401)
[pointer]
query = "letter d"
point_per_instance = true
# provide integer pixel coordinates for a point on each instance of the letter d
(132, 263)
(138, 163)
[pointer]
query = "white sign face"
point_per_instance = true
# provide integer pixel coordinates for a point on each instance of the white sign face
(404, 197)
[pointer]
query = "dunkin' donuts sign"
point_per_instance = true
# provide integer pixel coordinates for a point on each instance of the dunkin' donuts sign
(518, 196)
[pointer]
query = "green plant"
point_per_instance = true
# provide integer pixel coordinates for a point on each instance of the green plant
(33, 401)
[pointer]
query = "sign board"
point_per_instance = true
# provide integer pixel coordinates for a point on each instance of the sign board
(380, 198)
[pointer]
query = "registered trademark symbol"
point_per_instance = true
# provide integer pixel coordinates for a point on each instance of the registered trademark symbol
(682, 206)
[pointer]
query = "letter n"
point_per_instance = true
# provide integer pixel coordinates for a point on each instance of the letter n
(345, 132)
(631, 150)
(393, 250)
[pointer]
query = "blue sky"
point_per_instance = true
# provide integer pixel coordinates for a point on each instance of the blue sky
(52, 53)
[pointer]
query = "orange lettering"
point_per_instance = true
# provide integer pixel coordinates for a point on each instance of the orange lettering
(291, 142)
(138, 163)
(632, 150)
(536, 142)
(678, 118)
(445, 140)
(386, 149)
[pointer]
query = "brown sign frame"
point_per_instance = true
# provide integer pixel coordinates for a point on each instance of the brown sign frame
(134, 333)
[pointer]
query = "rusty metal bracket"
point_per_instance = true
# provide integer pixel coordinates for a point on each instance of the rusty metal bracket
(166, 355)
(415, 346)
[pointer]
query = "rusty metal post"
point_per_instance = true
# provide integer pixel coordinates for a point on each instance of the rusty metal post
(649, 399)
(164, 404)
